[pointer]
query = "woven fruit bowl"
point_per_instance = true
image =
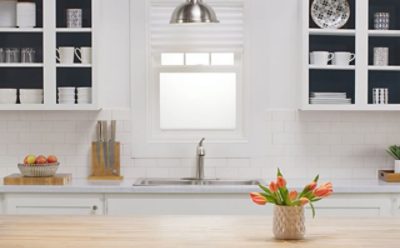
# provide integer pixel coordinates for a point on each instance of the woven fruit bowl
(38, 170)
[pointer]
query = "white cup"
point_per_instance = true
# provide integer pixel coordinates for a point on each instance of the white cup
(84, 54)
(343, 58)
(65, 55)
(321, 57)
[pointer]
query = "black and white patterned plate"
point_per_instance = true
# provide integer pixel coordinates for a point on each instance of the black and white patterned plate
(330, 14)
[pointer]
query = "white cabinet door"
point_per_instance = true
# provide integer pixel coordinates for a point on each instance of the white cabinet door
(183, 204)
(53, 204)
(358, 205)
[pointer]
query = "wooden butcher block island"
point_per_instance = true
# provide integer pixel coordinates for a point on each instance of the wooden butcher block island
(190, 231)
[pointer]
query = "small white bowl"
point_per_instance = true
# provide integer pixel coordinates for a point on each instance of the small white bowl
(84, 90)
(31, 92)
(8, 92)
(27, 99)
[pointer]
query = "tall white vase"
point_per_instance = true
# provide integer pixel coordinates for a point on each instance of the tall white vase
(397, 166)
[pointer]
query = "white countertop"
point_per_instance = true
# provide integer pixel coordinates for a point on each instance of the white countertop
(126, 186)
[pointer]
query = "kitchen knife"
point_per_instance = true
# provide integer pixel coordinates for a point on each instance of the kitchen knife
(112, 143)
(98, 140)
(105, 144)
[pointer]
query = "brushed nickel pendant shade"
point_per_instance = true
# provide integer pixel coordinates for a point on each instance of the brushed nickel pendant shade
(193, 11)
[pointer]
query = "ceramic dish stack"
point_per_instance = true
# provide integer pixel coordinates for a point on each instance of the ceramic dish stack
(66, 95)
(8, 96)
(31, 96)
(84, 95)
(329, 98)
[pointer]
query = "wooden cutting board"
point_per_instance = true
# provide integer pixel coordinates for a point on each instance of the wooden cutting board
(389, 176)
(18, 179)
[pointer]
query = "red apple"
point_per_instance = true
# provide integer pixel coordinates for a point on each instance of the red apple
(30, 159)
(41, 160)
(51, 159)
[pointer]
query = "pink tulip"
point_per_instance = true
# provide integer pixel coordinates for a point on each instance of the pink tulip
(311, 186)
(258, 199)
(324, 190)
(293, 195)
(273, 187)
(281, 182)
(304, 201)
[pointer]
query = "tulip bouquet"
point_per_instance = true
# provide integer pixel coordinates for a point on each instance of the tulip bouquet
(277, 193)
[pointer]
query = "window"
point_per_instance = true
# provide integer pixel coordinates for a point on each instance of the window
(196, 70)
(194, 85)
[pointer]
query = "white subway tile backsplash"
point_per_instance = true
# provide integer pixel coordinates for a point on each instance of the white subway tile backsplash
(334, 144)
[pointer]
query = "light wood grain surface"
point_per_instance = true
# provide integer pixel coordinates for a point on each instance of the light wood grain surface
(190, 231)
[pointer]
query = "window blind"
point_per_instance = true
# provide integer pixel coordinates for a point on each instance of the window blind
(226, 35)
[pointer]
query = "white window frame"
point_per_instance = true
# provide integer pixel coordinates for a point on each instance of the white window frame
(149, 141)
(156, 134)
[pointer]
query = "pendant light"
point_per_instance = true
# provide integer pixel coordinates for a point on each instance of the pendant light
(193, 11)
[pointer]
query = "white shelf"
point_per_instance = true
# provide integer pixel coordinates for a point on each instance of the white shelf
(332, 32)
(21, 30)
(73, 30)
(22, 65)
(47, 107)
(352, 107)
(332, 67)
(74, 65)
(384, 68)
(384, 33)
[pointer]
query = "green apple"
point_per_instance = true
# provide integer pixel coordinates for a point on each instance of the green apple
(30, 159)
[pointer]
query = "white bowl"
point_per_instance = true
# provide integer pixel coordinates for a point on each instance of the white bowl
(8, 100)
(30, 92)
(27, 99)
(67, 89)
(8, 92)
(84, 90)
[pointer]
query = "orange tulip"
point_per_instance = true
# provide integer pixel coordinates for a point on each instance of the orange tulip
(258, 199)
(311, 186)
(273, 187)
(304, 201)
(324, 190)
(281, 182)
(293, 195)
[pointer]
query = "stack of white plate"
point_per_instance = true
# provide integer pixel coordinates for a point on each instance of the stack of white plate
(26, 14)
(31, 96)
(329, 98)
(66, 95)
(8, 96)
(84, 95)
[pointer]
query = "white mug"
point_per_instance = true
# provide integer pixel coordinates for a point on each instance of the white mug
(65, 55)
(84, 54)
(321, 57)
(343, 58)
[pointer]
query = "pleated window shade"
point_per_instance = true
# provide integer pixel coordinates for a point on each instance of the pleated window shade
(226, 35)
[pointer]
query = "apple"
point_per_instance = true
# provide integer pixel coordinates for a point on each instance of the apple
(51, 159)
(41, 160)
(30, 159)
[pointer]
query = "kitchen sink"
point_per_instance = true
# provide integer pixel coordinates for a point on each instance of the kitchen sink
(193, 182)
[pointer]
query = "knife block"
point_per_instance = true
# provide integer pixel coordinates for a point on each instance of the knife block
(100, 171)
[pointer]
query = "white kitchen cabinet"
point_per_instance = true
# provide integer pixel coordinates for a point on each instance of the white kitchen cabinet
(355, 205)
(360, 205)
(182, 204)
(54, 204)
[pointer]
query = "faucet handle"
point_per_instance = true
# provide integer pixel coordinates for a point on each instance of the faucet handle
(202, 141)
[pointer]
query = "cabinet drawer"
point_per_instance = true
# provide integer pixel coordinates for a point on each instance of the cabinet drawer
(354, 205)
(53, 204)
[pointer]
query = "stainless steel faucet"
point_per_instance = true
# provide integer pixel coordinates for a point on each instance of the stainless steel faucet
(201, 153)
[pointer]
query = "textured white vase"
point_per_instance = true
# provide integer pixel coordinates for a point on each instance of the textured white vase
(26, 14)
(397, 166)
(289, 223)
(8, 9)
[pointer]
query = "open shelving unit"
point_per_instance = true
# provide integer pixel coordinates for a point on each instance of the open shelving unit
(49, 34)
(361, 76)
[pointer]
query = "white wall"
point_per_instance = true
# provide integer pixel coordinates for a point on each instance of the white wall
(335, 144)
